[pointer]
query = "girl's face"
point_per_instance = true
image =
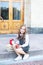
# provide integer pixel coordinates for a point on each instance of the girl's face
(23, 29)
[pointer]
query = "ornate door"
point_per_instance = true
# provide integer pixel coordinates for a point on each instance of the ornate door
(11, 15)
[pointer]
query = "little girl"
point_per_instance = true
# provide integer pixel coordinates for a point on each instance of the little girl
(23, 47)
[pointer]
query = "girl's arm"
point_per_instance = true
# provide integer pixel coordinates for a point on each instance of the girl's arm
(26, 41)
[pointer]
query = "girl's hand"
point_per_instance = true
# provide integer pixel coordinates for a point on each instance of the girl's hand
(20, 46)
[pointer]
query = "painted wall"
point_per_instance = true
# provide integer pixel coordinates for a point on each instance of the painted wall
(36, 13)
(27, 12)
(35, 7)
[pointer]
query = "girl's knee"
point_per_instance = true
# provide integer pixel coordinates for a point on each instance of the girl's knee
(19, 49)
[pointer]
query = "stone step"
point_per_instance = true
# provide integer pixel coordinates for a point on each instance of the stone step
(7, 55)
(33, 60)
(12, 54)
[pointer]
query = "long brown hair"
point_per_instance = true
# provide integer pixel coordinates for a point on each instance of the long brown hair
(21, 37)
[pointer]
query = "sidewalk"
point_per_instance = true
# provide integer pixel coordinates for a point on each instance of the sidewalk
(35, 41)
(35, 56)
(36, 51)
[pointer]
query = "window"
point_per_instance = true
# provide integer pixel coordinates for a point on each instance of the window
(4, 10)
(16, 10)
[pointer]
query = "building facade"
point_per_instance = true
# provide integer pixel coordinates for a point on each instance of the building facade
(13, 14)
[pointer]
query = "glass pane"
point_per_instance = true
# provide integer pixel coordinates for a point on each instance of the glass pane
(4, 10)
(16, 10)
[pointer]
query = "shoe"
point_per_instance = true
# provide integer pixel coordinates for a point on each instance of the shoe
(18, 58)
(26, 56)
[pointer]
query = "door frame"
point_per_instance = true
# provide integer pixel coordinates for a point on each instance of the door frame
(11, 23)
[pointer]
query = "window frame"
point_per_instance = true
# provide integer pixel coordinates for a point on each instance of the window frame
(8, 10)
(11, 11)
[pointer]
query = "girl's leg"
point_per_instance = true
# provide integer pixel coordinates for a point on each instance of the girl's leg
(19, 57)
(13, 46)
(20, 51)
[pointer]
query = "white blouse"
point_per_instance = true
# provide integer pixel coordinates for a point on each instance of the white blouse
(26, 40)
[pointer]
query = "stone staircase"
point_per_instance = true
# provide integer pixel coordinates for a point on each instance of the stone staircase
(12, 54)
(7, 55)
(7, 58)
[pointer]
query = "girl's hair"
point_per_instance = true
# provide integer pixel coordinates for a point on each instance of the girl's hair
(21, 37)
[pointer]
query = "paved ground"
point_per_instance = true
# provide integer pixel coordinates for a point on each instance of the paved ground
(33, 60)
(36, 51)
(35, 41)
